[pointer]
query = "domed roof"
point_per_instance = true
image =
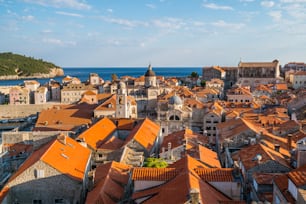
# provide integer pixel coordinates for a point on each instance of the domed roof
(175, 100)
(150, 72)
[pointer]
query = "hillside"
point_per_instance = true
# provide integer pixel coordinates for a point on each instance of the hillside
(13, 66)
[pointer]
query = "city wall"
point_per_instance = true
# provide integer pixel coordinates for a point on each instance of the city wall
(20, 111)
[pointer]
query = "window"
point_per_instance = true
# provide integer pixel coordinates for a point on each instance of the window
(59, 201)
(37, 202)
(39, 173)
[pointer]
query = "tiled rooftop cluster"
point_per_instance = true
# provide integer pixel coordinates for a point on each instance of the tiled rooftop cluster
(239, 139)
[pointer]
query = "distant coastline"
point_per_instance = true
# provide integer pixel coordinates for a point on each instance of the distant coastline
(105, 73)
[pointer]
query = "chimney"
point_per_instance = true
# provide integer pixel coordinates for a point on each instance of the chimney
(194, 195)
(62, 138)
(276, 147)
(169, 150)
(289, 140)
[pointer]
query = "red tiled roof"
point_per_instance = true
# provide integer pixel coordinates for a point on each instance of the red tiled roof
(65, 117)
(215, 174)
(298, 176)
(145, 133)
(154, 174)
(96, 134)
(3, 193)
(69, 158)
(248, 154)
(177, 189)
(109, 180)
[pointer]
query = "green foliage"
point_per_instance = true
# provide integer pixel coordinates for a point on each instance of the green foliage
(155, 163)
(203, 83)
(194, 75)
(14, 64)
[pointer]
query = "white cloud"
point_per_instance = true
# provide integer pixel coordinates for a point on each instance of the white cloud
(169, 23)
(110, 10)
(69, 14)
(125, 22)
(28, 18)
(293, 1)
(58, 42)
(151, 6)
(217, 7)
(224, 24)
(276, 15)
(267, 4)
(73, 4)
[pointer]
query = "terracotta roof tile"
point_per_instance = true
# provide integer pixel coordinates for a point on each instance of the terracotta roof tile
(298, 176)
(64, 117)
(145, 133)
(3, 193)
(177, 189)
(109, 180)
(209, 157)
(215, 174)
(68, 157)
(154, 174)
(248, 154)
(96, 134)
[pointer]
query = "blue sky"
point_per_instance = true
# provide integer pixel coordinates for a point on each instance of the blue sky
(103, 33)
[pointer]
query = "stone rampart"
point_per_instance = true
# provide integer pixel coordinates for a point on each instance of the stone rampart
(21, 111)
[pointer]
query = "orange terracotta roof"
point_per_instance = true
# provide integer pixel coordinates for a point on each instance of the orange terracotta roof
(153, 174)
(125, 123)
(90, 93)
(215, 174)
(109, 104)
(298, 176)
(96, 134)
(177, 189)
(209, 157)
(113, 143)
(257, 64)
(281, 86)
(109, 180)
(68, 157)
(145, 133)
(65, 117)
(248, 154)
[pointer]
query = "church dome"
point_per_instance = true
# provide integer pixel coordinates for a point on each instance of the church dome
(175, 100)
(150, 72)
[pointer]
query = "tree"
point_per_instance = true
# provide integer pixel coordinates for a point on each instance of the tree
(155, 163)
(194, 75)
(203, 83)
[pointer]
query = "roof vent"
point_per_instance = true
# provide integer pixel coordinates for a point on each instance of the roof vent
(64, 155)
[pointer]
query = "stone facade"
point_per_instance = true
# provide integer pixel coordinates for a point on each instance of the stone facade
(40, 182)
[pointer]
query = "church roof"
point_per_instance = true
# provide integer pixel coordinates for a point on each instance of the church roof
(150, 72)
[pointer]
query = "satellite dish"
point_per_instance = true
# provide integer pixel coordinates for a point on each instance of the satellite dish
(259, 157)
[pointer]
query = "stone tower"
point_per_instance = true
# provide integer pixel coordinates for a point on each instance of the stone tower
(150, 77)
(122, 109)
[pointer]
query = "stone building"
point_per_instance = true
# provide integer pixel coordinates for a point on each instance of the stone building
(173, 114)
(19, 95)
(55, 173)
(72, 93)
(41, 95)
(299, 79)
(227, 74)
(254, 73)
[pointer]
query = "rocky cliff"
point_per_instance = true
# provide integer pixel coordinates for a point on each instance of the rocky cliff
(54, 72)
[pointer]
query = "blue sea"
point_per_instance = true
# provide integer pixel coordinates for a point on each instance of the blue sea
(105, 73)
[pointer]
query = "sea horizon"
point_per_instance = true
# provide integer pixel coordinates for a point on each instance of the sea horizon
(105, 73)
